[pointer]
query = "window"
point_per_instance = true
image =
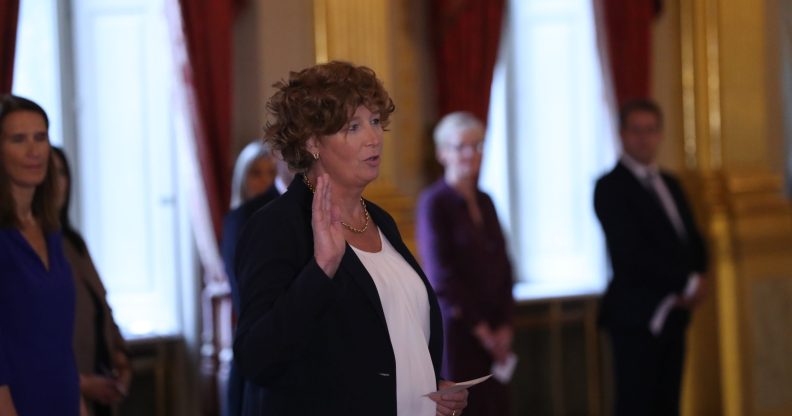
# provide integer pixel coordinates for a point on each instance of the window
(124, 157)
(37, 61)
(549, 120)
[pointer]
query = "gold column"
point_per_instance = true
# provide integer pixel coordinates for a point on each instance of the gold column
(384, 35)
(730, 157)
(701, 84)
(703, 158)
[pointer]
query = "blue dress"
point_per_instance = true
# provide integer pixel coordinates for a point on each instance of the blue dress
(36, 326)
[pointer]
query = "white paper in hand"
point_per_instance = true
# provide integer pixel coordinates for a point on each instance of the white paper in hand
(692, 286)
(462, 385)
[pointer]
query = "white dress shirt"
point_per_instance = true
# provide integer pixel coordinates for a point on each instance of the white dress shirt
(406, 306)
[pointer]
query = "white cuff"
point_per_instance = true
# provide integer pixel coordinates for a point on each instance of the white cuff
(692, 285)
(661, 313)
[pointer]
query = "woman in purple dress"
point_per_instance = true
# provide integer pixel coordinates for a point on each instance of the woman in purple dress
(38, 375)
(464, 255)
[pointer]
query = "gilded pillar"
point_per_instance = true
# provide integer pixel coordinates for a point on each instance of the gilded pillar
(385, 35)
(741, 334)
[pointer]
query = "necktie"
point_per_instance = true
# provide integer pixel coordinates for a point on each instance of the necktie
(656, 187)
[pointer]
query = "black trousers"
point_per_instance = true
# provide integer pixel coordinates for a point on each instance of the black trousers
(648, 370)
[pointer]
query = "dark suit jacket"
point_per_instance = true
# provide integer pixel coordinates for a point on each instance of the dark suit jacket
(233, 223)
(648, 258)
(317, 345)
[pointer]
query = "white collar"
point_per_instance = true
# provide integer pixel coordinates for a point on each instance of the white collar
(637, 168)
(281, 186)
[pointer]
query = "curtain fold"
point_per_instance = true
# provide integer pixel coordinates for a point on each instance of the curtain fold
(208, 34)
(9, 17)
(628, 35)
(203, 44)
(466, 36)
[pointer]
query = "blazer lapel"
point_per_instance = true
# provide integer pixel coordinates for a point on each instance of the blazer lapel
(358, 273)
(355, 269)
(393, 237)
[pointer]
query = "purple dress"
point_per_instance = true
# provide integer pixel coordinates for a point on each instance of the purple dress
(36, 326)
(470, 271)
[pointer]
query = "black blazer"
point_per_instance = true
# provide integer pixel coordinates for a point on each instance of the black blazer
(649, 260)
(316, 345)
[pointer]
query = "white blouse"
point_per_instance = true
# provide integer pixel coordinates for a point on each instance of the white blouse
(406, 307)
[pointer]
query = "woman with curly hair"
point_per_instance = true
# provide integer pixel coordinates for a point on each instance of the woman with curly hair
(337, 318)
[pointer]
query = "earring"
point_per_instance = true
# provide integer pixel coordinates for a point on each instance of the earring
(316, 156)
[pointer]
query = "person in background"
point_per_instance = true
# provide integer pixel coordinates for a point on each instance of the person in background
(98, 345)
(463, 250)
(259, 178)
(254, 172)
(252, 187)
(659, 260)
(337, 318)
(38, 374)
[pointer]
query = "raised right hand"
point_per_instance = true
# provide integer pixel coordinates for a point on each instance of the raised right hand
(329, 242)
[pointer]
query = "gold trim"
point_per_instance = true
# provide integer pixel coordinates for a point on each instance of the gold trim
(688, 85)
(713, 86)
(593, 389)
(320, 31)
(703, 152)
(728, 316)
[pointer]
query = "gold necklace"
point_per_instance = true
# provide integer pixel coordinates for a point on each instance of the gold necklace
(347, 226)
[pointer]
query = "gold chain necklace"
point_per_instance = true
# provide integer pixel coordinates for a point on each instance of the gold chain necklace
(347, 226)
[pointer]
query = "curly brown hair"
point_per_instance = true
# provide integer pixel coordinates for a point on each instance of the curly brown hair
(319, 101)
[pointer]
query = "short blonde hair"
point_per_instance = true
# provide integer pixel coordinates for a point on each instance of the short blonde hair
(454, 123)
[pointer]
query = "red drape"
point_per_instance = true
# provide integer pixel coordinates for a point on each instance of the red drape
(9, 15)
(628, 29)
(466, 35)
(207, 26)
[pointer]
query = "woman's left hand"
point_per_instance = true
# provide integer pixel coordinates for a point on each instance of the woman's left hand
(124, 376)
(450, 404)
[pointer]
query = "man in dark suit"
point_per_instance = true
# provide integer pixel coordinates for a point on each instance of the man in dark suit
(658, 259)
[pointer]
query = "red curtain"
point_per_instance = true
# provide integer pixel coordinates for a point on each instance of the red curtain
(207, 26)
(466, 36)
(628, 30)
(9, 15)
